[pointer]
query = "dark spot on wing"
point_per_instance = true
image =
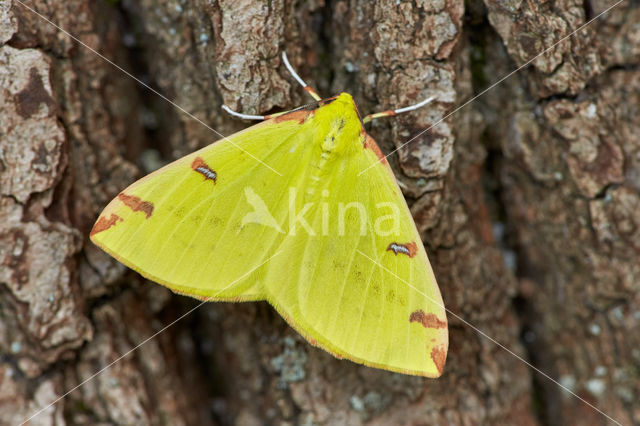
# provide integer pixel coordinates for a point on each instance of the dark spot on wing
(391, 296)
(136, 204)
(103, 223)
(427, 320)
(410, 249)
(439, 356)
(203, 168)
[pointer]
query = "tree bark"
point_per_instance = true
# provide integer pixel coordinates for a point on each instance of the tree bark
(527, 199)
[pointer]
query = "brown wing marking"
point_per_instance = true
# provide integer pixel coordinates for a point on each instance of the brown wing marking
(371, 144)
(439, 356)
(300, 116)
(427, 320)
(103, 223)
(136, 204)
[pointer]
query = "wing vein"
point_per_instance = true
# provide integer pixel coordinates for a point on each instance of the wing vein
(366, 291)
(256, 247)
(216, 194)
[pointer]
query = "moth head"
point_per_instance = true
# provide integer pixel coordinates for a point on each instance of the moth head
(340, 122)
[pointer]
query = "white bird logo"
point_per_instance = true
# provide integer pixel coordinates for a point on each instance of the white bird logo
(260, 214)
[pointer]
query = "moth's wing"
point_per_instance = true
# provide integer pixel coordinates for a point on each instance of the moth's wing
(195, 226)
(350, 292)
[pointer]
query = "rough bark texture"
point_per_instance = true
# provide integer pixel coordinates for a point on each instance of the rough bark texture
(528, 200)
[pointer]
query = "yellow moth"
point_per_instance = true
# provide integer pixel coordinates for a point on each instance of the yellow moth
(303, 211)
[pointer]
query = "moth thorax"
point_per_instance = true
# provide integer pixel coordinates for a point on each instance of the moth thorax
(341, 136)
(329, 143)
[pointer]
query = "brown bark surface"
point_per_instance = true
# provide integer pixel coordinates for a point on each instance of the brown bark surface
(528, 201)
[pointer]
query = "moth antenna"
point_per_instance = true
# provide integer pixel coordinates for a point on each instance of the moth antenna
(392, 112)
(262, 117)
(240, 115)
(295, 75)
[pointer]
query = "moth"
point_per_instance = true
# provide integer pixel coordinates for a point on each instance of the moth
(301, 210)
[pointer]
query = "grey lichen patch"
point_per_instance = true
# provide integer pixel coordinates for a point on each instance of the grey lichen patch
(248, 50)
(30, 134)
(407, 39)
(290, 364)
(370, 404)
(425, 28)
(596, 387)
(521, 145)
(116, 395)
(8, 22)
(626, 383)
(624, 32)
(34, 270)
(614, 218)
(595, 159)
(530, 28)
(425, 210)
(16, 407)
(425, 142)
